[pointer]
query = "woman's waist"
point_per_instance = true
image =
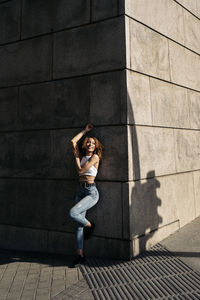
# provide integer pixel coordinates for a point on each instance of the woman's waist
(86, 184)
(86, 179)
(92, 171)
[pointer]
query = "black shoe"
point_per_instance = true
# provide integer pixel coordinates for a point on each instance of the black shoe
(79, 260)
(88, 231)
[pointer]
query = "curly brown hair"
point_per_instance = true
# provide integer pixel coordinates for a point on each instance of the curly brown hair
(98, 146)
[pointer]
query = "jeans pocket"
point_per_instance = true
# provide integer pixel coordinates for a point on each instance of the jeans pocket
(93, 192)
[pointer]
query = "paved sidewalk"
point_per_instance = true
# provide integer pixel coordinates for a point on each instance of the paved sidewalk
(157, 274)
(185, 244)
(28, 276)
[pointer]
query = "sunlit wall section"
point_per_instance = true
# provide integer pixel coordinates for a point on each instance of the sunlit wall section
(163, 100)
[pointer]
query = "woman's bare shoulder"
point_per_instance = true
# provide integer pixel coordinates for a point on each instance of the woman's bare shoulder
(95, 156)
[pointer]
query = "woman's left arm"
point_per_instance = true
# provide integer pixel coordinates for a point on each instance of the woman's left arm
(77, 157)
(81, 170)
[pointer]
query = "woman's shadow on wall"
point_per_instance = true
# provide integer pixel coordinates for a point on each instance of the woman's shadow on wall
(144, 216)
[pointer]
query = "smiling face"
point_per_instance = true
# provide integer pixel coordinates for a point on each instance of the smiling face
(90, 145)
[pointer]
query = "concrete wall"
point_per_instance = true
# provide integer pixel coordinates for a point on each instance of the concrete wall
(130, 67)
(163, 99)
(62, 65)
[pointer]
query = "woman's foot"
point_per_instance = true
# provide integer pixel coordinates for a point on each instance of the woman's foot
(79, 260)
(88, 230)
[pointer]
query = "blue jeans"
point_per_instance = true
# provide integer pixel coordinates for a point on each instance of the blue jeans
(86, 197)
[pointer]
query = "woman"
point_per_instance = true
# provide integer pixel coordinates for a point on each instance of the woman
(87, 163)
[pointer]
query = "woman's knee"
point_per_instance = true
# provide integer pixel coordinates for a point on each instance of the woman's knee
(72, 213)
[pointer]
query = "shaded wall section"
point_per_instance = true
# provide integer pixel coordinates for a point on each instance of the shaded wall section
(163, 99)
(130, 67)
(62, 65)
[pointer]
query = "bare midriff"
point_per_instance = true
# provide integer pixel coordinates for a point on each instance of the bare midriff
(86, 178)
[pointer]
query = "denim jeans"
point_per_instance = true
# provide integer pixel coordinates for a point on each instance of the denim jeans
(86, 197)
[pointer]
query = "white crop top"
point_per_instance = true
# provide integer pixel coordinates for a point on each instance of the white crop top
(92, 171)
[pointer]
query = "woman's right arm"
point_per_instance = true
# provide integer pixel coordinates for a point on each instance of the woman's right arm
(77, 137)
(75, 148)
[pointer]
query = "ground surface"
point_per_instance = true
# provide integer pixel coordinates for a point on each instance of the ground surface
(170, 270)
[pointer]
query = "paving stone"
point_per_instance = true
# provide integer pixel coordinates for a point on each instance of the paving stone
(74, 291)
(28, 294)
(44, 284)
(14, 295)
(26, 298)
(16, 287)
(56, 290)
(29, 287)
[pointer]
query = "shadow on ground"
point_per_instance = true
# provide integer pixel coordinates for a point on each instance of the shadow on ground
(56, 260)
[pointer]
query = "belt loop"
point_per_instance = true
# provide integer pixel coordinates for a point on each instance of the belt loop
(85, 184)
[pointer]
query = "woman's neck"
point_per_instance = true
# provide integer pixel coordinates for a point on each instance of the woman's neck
(89, 153)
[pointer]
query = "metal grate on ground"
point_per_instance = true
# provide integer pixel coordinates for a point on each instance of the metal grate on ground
(156, 274)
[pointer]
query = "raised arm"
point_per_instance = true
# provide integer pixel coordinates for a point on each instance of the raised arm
(75, 148)
(77, 137)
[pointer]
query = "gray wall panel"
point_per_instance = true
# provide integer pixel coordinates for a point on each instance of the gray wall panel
(10, 21)
(26, 61)
(93, 48)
